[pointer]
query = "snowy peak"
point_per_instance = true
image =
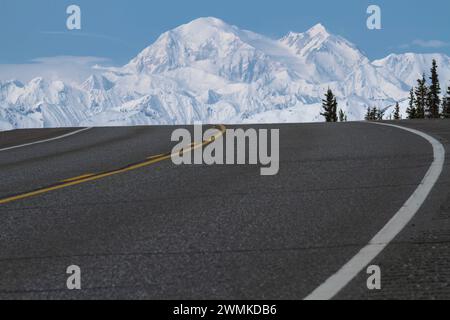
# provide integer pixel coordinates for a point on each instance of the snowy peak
(318, 39)
(318, 30)
(181, 47)
(38, 82)
(409, 67)
(207, 45)
(304, 43)
(97, 82)
(205, 26)
(333, 57)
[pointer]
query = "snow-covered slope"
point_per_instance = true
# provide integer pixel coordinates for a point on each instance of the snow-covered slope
(329, 57)
(409, 67)
(40, 104)
(213, 72)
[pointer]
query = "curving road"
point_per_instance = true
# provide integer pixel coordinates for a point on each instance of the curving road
(219, 232)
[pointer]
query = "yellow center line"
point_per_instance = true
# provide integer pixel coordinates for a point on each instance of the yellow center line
(79, 180)
(154, 157)
(79, 177)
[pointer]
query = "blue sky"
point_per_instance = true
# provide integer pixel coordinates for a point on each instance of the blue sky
(119, 29)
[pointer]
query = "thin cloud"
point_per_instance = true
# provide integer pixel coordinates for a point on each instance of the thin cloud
(86, 35)
(403, 46)
(70, 69)
(435, 44)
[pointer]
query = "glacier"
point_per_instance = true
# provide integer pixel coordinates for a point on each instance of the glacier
(211, 72)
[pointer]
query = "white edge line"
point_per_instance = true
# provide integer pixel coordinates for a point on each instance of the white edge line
(46, 140)
(331, 287)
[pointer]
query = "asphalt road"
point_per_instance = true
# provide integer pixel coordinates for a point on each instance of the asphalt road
(220, 232)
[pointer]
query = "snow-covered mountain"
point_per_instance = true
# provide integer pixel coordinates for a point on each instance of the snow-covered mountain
(213, 72)
(409, 67)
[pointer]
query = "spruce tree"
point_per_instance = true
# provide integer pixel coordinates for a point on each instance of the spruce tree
(446, 105)
(368, 114)
(374, 114)
(329, 106)
(335, 106)
(397, 112)
(433, 98)
(421, 97)
(379, 114)
(411, 111)
(342, 116)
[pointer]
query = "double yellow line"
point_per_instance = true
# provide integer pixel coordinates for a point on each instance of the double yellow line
(92, 177)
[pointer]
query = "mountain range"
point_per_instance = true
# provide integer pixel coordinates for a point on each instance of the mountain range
(212, 72)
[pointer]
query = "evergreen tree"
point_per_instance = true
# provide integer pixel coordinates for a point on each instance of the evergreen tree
(446, 105)
(421, 97)
(368, 114)
(335, 106)
(411, 111)
(329, 105)
(374, 114)
(342, 116)
(433, 98)
(397, 112)
(379, 114)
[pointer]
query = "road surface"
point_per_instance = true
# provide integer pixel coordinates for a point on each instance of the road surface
(162, 231)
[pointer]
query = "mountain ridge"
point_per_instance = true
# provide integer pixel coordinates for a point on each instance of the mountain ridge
(210, 71)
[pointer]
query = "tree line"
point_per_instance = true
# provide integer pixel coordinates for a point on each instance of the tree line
(425, 99)
(424, 102)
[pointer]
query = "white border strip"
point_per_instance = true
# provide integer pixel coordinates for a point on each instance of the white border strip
(46, 140)
(331, 287)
